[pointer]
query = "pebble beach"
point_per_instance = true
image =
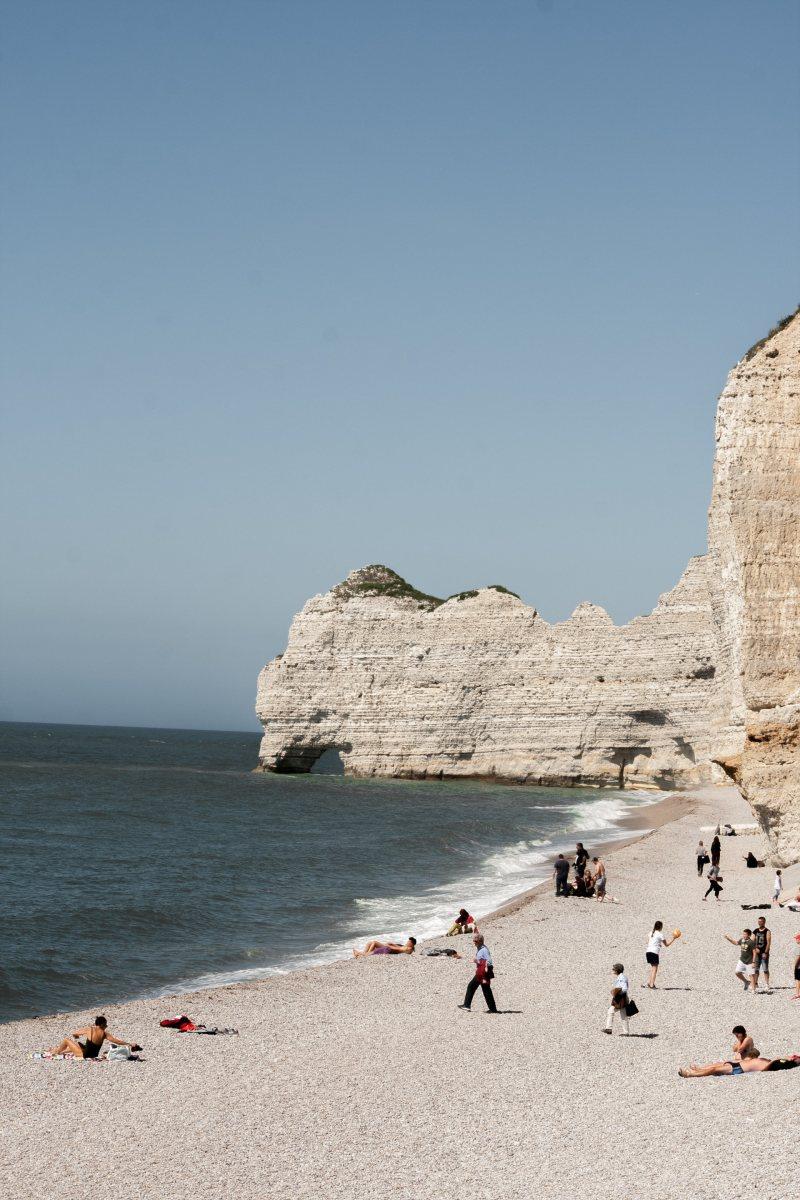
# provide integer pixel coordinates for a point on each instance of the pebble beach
(363, 1078)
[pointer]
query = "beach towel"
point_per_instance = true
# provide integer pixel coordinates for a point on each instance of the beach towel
(756, 906)
(442, 951)
(185, 1024)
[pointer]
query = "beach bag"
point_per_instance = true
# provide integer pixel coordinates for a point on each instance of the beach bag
(705, 859)
(631, 1008)
(118, 1052)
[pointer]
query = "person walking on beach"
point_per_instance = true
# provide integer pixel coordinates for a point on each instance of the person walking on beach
(619, 1001)
(762, 936)
(747, 949)
(714, 882)
(716, 850)
(484, 974)
(796, 995)
(581, 858)
(658, 942)
(777, 888)
(701, 854)
(561, 875)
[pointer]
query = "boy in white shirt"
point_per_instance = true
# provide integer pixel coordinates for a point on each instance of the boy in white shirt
(777, 888)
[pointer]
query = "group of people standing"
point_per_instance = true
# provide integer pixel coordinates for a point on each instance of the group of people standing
(586, 881)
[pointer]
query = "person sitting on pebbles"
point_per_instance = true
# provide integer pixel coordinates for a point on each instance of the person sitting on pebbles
(95, 1035)
(463, 923)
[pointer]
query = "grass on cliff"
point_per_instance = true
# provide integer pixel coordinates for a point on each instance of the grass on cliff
(379, 580)
(776, 329)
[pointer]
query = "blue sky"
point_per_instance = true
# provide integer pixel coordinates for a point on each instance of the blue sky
(293, 287)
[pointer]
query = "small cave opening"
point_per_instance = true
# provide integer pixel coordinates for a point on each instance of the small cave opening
(330, 762)
(624, 758)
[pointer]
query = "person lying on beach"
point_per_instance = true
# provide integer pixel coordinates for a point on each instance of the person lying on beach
(95, 1035)
(376, 947)
(752, 1061)
(792, 905)
(463, 923)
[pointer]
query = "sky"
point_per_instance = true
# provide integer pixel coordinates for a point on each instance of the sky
(289, 288)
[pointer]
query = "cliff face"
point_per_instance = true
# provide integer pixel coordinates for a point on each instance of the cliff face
(404, 685)
(754, 549)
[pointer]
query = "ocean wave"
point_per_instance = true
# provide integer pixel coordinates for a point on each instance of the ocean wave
(504, 873)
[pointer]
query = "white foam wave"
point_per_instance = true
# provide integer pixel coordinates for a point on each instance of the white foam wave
(502, 876)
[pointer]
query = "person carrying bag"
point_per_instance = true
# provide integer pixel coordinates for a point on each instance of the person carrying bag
(621, 1004)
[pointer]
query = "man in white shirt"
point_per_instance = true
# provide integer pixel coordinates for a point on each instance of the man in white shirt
(484, 973)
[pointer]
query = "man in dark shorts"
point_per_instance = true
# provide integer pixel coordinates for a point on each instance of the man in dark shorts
(762, 936)
(560, 874)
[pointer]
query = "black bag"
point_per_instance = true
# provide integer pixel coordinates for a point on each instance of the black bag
(631, 1009)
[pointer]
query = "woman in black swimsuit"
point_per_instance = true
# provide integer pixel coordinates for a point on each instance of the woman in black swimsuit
(95, 1035)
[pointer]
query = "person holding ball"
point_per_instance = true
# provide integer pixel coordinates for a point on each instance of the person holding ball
(658, 941)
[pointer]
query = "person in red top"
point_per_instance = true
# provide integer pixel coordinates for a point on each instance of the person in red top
(464, 923)
(484, 973)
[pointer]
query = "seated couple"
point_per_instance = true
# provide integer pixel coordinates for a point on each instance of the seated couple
(376, 947)
(94, 1036)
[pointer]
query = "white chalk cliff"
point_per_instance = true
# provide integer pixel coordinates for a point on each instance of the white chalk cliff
(754, 551)
(706, 686)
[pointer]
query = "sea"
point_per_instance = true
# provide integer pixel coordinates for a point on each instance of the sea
(144, 862)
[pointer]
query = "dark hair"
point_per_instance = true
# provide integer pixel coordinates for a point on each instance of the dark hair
(748, 930)
(658, 925)
(595, 859)
(413, 941)
(617, 968)
(101, 1021)
(740, 1029)
(462, 912)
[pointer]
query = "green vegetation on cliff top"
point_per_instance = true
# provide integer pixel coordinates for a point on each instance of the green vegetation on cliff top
(775, 329)
(379, 580)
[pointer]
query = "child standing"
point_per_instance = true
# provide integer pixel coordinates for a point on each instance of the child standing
(777, 888)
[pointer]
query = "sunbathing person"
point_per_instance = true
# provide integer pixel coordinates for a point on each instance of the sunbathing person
(751, 1061)
(463, 923)
(95, 1035)
(376, 947)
